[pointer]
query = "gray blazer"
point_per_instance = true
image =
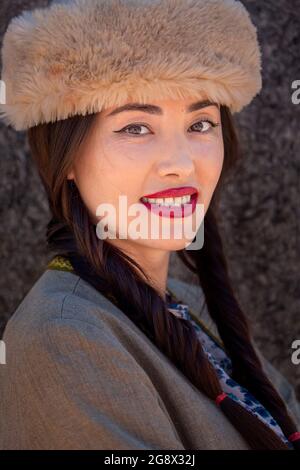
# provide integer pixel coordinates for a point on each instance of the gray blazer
(80, 375)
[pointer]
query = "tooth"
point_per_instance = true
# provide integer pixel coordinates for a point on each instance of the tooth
(169, 200)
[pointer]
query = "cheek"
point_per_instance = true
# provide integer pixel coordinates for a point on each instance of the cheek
(124, 168)
(218, 161)
(103, 174)
(209, 168)
(210, 163)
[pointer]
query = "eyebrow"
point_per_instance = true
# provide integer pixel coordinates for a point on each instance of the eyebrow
(152, 109)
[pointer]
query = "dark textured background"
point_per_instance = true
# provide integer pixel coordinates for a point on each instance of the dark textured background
(260, 206)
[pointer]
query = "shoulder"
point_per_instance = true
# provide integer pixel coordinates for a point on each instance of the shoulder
(62, 295)
(62, 317)
(67, 332)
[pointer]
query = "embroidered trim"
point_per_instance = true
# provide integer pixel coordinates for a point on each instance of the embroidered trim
(60, 263)
(179, 310)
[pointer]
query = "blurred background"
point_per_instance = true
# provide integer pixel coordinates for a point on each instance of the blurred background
(260, 204)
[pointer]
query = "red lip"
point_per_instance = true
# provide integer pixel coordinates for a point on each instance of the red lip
(174, 192)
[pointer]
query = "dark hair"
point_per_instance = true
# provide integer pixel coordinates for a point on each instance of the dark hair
(72, 234)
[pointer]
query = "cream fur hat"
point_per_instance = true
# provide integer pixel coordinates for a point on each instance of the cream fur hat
(80, 56)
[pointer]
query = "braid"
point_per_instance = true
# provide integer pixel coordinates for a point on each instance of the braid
(111, 272)
(211, 266)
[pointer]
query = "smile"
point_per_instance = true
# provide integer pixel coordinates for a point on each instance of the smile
(181, 206)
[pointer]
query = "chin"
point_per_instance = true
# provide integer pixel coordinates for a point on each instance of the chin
(163, 245)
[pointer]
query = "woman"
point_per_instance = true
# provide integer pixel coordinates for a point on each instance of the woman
(104, 356)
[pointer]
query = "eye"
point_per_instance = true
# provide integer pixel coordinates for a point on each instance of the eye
(209, 125)
(136, 126)
(131, 126)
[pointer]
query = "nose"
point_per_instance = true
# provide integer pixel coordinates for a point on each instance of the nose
(176, 163)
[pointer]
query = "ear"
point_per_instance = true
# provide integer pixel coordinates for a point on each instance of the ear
(70, 175)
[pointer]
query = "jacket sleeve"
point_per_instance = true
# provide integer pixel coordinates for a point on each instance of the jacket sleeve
(77, 387)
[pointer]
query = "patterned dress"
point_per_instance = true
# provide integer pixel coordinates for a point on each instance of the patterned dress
(223, 367)
(214, 351)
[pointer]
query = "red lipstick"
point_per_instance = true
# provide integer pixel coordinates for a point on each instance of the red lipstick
(173, 192)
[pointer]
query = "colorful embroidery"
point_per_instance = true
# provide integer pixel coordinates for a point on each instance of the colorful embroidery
(179, 310)
(61, 263)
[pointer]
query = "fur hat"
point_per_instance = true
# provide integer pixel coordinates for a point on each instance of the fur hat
(80, 56)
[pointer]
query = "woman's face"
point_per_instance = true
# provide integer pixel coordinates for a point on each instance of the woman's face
(138, 152)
